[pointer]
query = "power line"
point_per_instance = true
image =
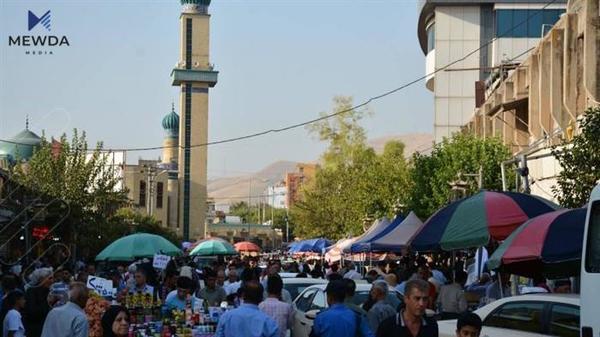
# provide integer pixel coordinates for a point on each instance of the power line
(297, 125)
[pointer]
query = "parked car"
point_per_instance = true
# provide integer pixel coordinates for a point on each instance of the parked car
(295, 285)
(526, 316)
(313, 299)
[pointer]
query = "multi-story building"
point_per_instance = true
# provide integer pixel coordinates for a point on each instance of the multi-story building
(276, 195)
(295, 180)
(538, 104)
(482, 35)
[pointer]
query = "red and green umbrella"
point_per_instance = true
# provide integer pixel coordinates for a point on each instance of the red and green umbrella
(471, 222)
(548, 245)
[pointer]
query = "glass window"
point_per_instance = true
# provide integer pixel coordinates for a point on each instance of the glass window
(592, 255)
(530, 23)
(519, 24)
(522, 316)
(142, 196)
(303, 302)
(504, 22)
(430, 37)
(564, 320)
(159, 194)
(319, 302)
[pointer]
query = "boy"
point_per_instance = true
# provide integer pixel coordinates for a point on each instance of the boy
(468, 325)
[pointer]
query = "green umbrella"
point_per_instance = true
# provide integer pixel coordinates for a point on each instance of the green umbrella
(136, 246)
(213, 246)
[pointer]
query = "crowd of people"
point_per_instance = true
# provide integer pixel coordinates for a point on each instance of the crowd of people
(51, 302)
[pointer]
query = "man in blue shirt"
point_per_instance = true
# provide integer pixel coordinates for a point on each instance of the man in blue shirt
(177, 299)
(339, 320)
(248, 320)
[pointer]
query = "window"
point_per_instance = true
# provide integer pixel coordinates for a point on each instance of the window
(528, 23)
(319, 302)
(430, 37)
(523, 316)
(159, 194)
(303, 302)
(564, 320)
(142, 196)
(592, 254)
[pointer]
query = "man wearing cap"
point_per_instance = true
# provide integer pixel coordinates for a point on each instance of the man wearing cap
(339, 320)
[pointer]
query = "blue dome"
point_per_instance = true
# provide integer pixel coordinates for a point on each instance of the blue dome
(171, 123)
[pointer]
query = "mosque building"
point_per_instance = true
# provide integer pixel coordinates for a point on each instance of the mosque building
(173, 188)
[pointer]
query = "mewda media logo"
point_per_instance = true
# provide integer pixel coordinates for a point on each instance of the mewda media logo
(44, 20)
(39, 44)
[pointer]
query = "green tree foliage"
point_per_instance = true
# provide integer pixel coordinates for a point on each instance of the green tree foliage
(84, 180)
(250, 214)
(431, 175)
(580, 162)
(353, 180)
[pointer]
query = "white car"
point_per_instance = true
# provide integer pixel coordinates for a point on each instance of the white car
(313, 299)
(526, 316)
(295, 285)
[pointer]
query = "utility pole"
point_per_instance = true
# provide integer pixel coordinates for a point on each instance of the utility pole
(287, 227)
(523, 171)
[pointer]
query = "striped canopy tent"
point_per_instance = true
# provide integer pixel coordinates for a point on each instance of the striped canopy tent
(549, 245)
(376, 228)
(336, 252)
(472, 221)
(399, 237)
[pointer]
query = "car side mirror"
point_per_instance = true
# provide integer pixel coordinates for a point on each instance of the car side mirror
(312, 314)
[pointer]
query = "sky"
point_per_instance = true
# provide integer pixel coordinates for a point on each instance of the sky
(279, 62)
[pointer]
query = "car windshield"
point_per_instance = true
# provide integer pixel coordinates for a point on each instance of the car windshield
(295, 288)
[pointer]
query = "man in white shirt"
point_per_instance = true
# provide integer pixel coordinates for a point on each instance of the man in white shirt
(69, 320)
(352, 274)
(12, 326)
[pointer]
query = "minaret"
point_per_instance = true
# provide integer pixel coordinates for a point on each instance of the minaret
(195, 75)
(170, 157)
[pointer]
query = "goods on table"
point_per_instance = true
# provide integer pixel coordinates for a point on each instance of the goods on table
(94, 309)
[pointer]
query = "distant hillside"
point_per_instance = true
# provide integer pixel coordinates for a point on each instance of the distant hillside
(233, 189)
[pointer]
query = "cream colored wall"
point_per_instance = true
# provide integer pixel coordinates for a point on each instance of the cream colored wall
(170, 150)
(133, 174)
(200, 37)
(199, 127)
(457, 33)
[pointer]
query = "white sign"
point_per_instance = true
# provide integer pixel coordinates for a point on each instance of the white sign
(160, 261)
(101, 285)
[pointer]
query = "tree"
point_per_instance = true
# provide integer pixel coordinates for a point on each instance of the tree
(82, 179)
(352, 181)
(431, 175)
(580, 162)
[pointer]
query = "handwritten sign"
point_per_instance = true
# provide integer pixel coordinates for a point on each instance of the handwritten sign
(101, 285)
(160, 261)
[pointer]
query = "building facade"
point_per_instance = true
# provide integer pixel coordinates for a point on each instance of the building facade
(475, 37)
(294, 181)
(276, 195)
(538, 104)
